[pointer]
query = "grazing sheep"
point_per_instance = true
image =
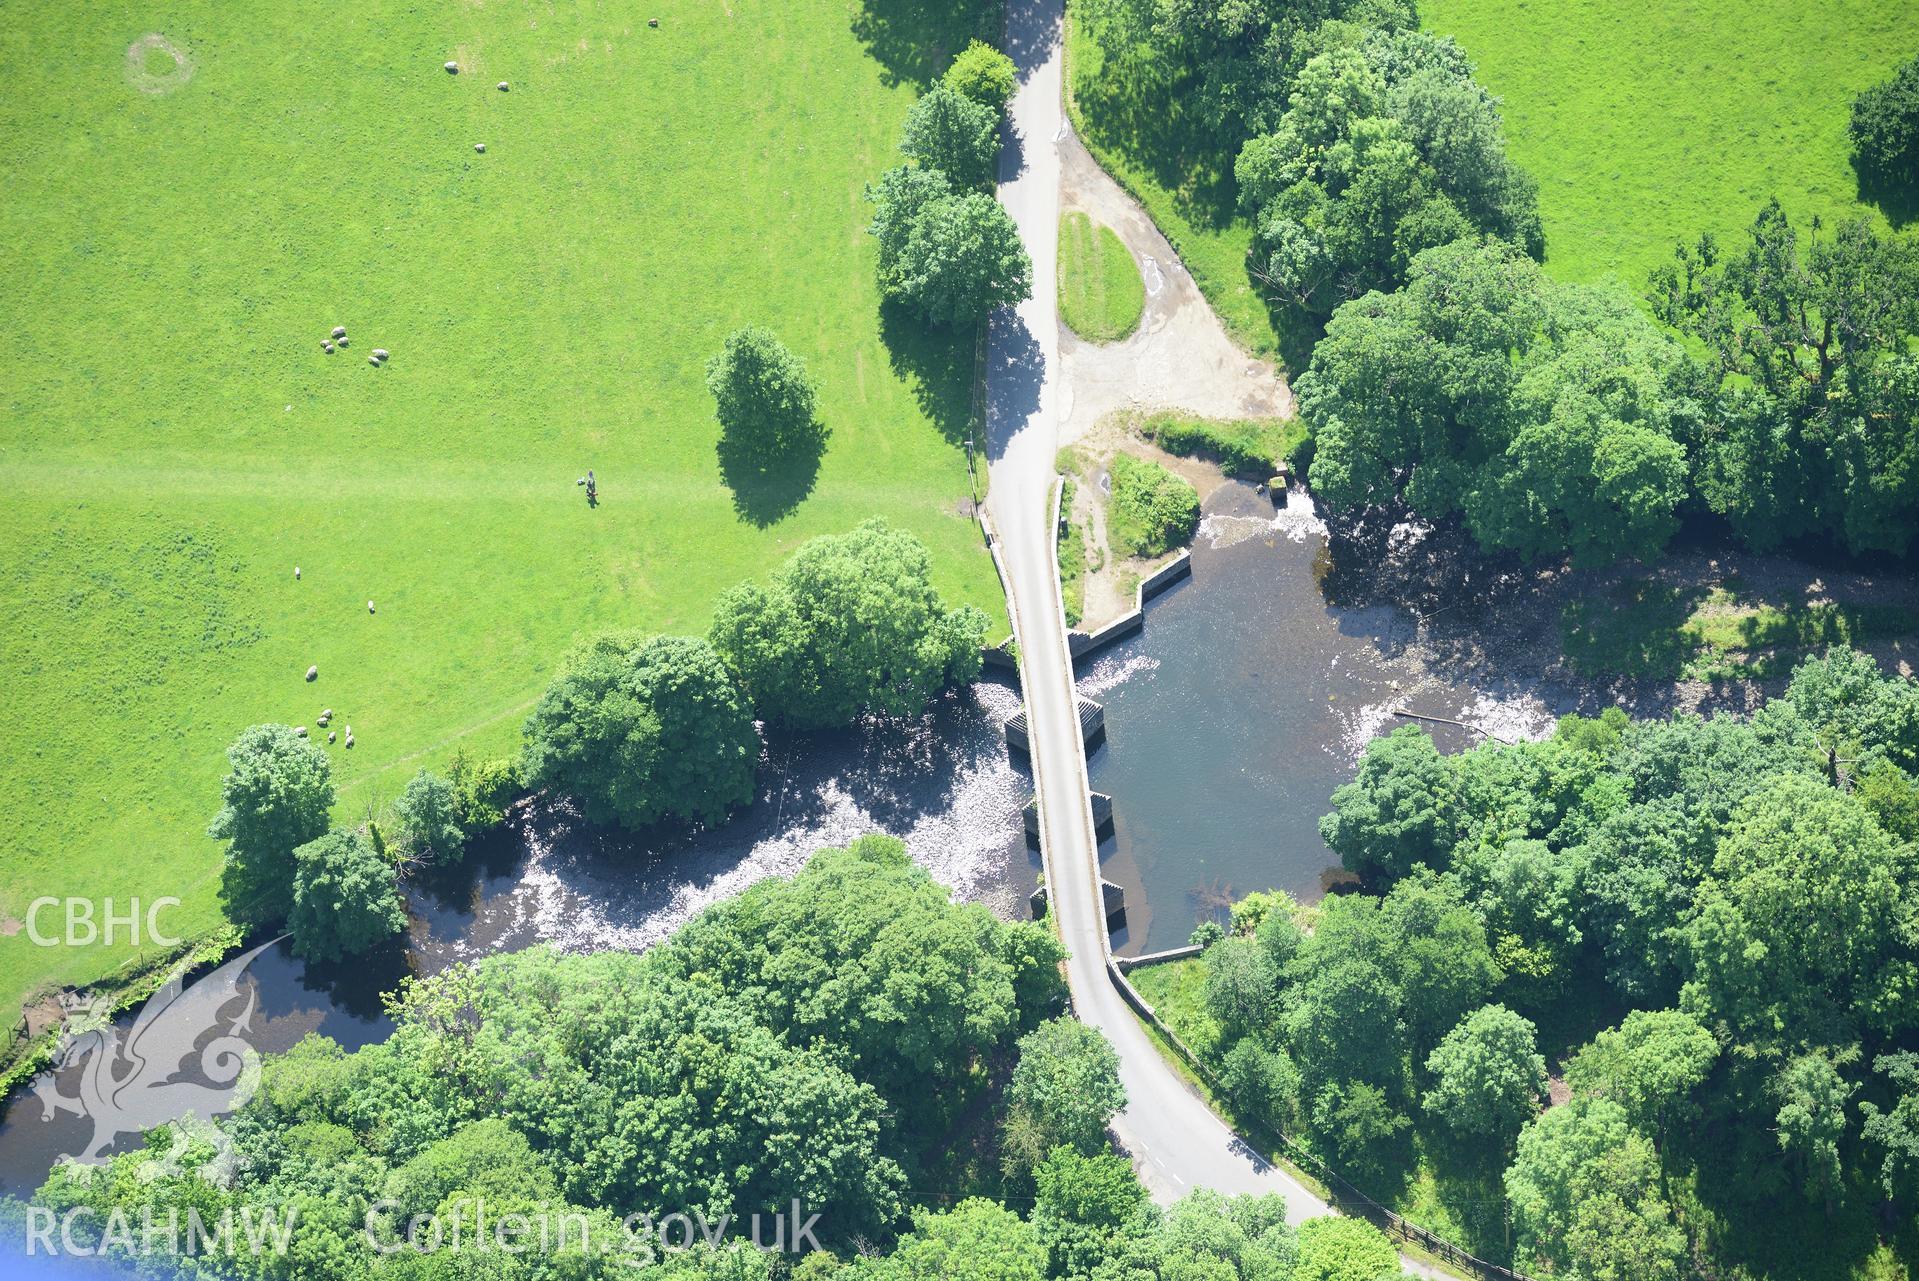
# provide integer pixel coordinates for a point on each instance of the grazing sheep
(296, 573)
(502, 86)
(299, 731)
(480, 147)
(374, 361)
(339, 331)
(329, 736)
(326, 345)
(313, 672)
(369, 607)
(379, 353)
(453, 68)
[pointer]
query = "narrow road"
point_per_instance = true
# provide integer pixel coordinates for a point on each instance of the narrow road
(1175, 1139)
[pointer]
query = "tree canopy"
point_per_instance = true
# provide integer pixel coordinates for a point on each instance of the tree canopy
(948, 251)
(1551, 418)
(346, 897)
(640, 729)
(1818, 384)
(771, 436)
(850, 625)
(954, 134)
(429, 816)
(1488, 1077)
(276, 797)
(1387, 148)
(1885, 131)
(1063, 1092)
(983, 74)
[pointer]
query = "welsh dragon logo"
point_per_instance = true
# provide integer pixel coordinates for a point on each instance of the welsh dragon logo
(135, 1082)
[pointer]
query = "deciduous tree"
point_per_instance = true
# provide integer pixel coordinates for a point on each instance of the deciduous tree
(851, 624)
(1649, 1065)
(1397, 813)
(346, 898)
(1488, 1077)
(1585, 1198)
(428, 810)
(277, 793)
(983, 74)
(644, 729)
(952, 133)
(1066, 1084)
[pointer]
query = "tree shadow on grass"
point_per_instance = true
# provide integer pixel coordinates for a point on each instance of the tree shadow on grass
(1149, 114)
(767, 486)
(1898, 201)
(915, 40)
(936, 365)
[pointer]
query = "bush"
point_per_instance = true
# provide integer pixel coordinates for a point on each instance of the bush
(640, 730)
(1152, 511)
(429, 816)
(1338, 1248)
(983, 74)
(483, 789)
(1250, 449)
(346, 898)
(1885, 130)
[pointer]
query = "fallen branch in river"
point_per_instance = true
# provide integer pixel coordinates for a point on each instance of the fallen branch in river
(1447, 720)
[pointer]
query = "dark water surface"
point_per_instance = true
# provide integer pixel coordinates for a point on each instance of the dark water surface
(941, 781)
(1239, 708)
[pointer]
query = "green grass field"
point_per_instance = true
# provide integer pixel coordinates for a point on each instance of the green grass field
(173, 441)
(1101, 295)
(1643, 123)
(1650, 121)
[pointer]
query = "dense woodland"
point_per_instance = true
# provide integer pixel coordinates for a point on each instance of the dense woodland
(850, 1039)
(1710, 925)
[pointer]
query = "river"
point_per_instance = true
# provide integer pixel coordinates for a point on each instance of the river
(1230, 718)
(1239, 707)
(941, 781)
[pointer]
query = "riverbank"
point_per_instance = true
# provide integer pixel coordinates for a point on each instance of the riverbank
(1252, 688)
(942, 781)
